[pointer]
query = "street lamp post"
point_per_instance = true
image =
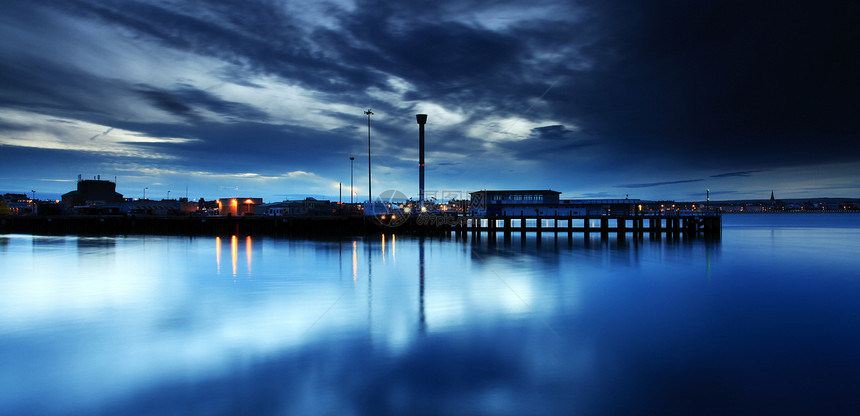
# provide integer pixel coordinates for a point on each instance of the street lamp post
(351, 172)
(369, 183)
(168, 194)
(144, 192)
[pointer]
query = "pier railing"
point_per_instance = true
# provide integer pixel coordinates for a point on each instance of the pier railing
(706, 223)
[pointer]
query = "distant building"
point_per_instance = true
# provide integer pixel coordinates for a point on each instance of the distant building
(92, 192)
(163, 207)
(302, 207)
(15, 198)
(18, 204)
(238, 206)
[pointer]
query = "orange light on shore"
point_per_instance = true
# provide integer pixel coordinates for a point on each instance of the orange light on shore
(248, 201)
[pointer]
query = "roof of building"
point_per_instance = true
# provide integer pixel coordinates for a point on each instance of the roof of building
(533, 191)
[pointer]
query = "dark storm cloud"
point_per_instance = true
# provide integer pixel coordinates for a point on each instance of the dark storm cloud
(182, 101)
(721, 83)
(674, 75)
(254, 34)
(445, 60)
(7, 127)
(648, 185)
(687, 86)
(78, 95)
(170, 104)
(257, 147)
(556, 132)
(543, 149)
(737, 174)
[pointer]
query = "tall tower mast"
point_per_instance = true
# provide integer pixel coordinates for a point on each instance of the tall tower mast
(422, 119)
(369, 183)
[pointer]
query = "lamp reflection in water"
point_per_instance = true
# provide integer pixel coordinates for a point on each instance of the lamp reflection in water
(383, 248)
(367, 248)
(218, 253)
(234, 251)
(422, 324)
(354, 261)
(248, 252)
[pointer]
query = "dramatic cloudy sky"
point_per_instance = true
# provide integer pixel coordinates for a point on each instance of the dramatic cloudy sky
(652, 99)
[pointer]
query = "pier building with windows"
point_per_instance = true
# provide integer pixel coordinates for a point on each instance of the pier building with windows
(544, 203)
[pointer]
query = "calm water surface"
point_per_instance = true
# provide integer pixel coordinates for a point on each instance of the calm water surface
(765, 321)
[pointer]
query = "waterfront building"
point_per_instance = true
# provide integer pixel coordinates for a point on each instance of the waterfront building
(163, 207)
(301, 207)
(91, 192)
(544, 203)
(238, 206)
(18, 204)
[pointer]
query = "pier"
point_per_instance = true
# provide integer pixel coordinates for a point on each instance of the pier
(675, 224)
(655, 225)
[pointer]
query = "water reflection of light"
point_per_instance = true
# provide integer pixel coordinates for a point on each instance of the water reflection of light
(393, 247)
(354, 261)
(234, 251)
(383, 248)
(218, 253)
(248, 252)
(422, 320)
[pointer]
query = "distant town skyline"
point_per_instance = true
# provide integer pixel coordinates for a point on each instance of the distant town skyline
(655, 100)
